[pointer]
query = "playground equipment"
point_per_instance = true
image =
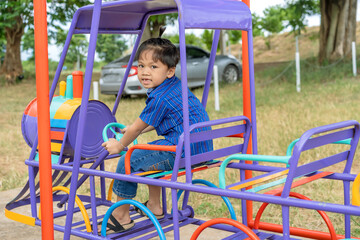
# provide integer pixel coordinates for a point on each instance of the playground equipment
(64, 118)
(73, 157)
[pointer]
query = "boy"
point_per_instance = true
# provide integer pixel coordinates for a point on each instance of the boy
(157, 59)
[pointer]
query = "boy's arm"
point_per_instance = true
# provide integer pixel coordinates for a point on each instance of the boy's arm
(148, 129)
(132, 132)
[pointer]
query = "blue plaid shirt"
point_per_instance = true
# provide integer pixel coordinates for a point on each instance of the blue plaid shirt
(163, 111)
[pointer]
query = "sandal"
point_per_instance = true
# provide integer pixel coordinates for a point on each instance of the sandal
(116, 227)
(143, 214)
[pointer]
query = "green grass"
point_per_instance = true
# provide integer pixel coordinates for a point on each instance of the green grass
(327, 96)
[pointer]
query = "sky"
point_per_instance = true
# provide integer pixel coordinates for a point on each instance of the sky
(256, 6)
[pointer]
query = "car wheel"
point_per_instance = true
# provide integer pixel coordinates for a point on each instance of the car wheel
(230, 74)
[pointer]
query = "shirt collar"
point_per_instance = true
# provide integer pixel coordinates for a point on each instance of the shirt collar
(149, 90)
(166, 81)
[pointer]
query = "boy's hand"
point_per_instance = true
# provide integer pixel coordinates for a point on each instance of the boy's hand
(112, 146)
(123, 131)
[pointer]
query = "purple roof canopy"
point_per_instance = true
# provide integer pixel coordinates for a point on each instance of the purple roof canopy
(127, 15)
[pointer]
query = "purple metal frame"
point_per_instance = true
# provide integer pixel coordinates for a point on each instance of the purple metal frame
(129, 17)
(103, 23)
(309, 140)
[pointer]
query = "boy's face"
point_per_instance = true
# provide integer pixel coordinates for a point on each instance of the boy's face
(151, 74)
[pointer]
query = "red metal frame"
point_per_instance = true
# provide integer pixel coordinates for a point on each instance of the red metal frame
(43, 106)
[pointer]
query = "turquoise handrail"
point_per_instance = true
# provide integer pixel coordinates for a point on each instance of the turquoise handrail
(118, 136)
(136, 204)
(210, 184)
(248, 157)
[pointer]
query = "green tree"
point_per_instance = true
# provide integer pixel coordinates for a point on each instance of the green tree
(2, 46)
(337, 27)
(110, 47)
(190, 38)
(14, 17)
(207, 38)
(272, 22)
(256, 25)
(174, 38)
(28, 43)
(77, 49)
(234, 36)
(296, 12)
(17, 16)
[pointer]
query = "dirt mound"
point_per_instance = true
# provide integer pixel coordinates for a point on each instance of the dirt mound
(282, 47)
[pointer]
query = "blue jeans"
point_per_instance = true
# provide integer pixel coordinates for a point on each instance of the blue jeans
(141, 160)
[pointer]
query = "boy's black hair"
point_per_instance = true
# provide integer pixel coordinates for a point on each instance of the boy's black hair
(164, 51)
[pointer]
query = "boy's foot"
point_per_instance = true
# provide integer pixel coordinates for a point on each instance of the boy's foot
(158, 216)
(115, 227)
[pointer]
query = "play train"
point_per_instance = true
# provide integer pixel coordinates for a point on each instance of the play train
(64, 117)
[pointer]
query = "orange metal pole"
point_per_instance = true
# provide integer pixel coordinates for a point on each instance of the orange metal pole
(43, 107)
(246, 102)
(78, 79)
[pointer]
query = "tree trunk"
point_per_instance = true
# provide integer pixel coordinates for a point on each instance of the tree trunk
(337, 29)
(222, 41)
(152, 29)
(12, 67)
(147, 34)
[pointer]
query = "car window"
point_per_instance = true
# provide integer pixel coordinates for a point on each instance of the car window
(195, 53)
